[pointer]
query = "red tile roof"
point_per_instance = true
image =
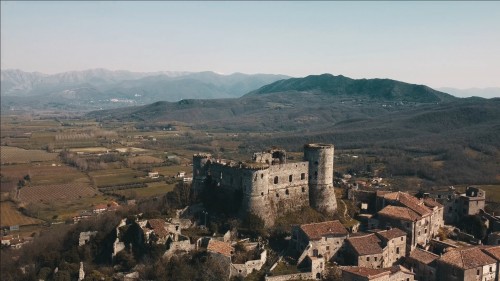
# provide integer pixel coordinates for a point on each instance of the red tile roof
(158, 227)
(409, 201)
(370, 273)
(368, 244)
(467, 258)
(391, 233)
(220, 247)
(315, 231)
(423, 256)
(402, 213)
(431, 202)
(493, 251)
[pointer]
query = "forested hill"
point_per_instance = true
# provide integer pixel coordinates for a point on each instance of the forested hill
(380, 89)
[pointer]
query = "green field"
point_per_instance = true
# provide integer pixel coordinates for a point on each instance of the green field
(153, 189)
(117, 176)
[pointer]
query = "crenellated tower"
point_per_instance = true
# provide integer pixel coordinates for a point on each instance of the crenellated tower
(321, 192)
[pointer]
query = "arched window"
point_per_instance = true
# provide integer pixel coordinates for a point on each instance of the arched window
(290, 178)
(276, 180)
(287, 192)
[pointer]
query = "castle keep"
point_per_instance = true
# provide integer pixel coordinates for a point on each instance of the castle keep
(271, 186)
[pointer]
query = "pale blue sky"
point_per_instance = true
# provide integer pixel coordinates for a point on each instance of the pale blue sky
(454, 44)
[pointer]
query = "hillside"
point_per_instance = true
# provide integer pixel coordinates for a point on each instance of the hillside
(289, 105)
(380, 89)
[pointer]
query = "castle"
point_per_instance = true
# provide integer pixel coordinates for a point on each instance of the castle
(270, 185)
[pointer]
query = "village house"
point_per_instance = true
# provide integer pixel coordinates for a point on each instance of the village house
(380, 249)
(494, 252)
(356, 273)
(466, 264)
(456, 204)
(322, 239)
(153, 175)
(99, 208)
(423, 263)
(158, 231)
(421, 219)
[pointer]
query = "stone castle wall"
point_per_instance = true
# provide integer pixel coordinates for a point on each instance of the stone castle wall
(274, 187)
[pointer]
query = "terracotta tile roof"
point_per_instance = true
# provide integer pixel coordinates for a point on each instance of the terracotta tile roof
(402, 213)
(220, 247)
(467, 258)
(158, 227)
(370, 273)
(315, 231)
(398, 268)
(493, 251)
(431, 202)
(101, 207)
(423, 256)
(368, 244)
(409, 201)
(391, 233)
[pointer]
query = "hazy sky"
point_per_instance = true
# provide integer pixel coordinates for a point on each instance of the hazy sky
(454, 44)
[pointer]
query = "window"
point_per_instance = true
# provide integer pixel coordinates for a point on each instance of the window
(262, 193)
(261, 176)
(402, 238)
(277, 195)
(328, 249)
(290, 178)
(303, 189)
(477, 273)
(367, 258)
(397, 250)
(491, 269)
(375, 258)
(286, 192)
(276, 180)
(303, 176)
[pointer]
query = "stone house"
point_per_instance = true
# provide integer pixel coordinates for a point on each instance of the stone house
(380, 249)
(456, 204)
(421, 219)
(322, 239)
(356, 273)
(466, 264)
(423, 263)
(494, 252)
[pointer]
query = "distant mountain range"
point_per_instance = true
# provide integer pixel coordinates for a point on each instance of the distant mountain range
(311, 102)
(101, 88)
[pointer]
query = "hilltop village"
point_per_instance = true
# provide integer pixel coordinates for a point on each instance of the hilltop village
(394, 235)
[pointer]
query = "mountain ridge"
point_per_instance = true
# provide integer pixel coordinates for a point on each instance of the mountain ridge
(340, 85)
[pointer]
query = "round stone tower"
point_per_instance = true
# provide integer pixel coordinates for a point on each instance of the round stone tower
(321, 193)
(256, 193)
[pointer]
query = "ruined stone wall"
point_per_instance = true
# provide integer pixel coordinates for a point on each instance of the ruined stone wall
(321, 194)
